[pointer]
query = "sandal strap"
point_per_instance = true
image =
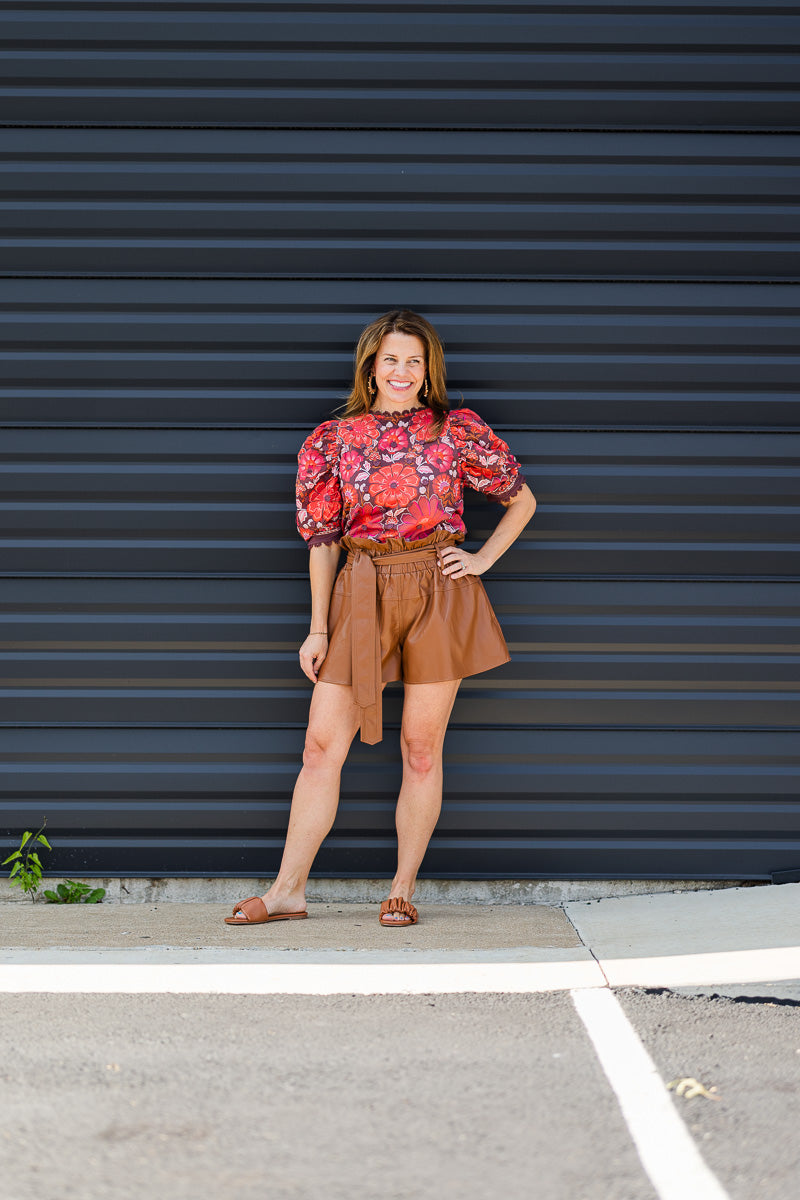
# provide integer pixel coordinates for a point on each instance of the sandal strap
(250, 912)
(400, 905)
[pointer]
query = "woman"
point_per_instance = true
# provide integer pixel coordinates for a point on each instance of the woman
(386, 483)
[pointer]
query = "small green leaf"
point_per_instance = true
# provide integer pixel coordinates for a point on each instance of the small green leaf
(25, 837)
(44, 841)
(96, 896)
(16, 854)
(34, 857)
(52, 898)
(16, 867)
(62, 890)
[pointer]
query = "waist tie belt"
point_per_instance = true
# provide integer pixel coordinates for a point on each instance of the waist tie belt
(366, 634)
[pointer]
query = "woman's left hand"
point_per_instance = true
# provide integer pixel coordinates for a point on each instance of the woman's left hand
(457, 563)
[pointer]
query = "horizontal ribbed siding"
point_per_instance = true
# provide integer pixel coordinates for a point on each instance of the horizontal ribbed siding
(618, 802)
(277, 353)
(643, 64)
(420, 205)
(597, 206)
(196, 501)
(606, 652)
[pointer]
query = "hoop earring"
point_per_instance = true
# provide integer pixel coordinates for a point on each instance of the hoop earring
(426, 388)
(372, 390)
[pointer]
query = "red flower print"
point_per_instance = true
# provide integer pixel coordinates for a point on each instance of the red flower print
(421, 517)
(439, 455)
(310, 463)
(324, 503)
(368, 523)
(394, 486)
(479, 470)
(349, 463)
(442, 485)
(472, 425)
(393, 441)
(355, 431)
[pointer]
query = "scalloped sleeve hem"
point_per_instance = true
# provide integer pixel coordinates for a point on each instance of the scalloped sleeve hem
(324, 539)
(508, 492)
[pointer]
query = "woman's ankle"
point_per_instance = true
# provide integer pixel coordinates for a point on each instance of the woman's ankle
(278, 890)
(404, 889)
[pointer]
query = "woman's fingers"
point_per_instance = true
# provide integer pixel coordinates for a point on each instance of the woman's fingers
(311, 665)
(307, 665)
(455, 562)
(312, 655)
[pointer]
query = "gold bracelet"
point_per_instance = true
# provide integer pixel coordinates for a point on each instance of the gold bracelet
(314, 632)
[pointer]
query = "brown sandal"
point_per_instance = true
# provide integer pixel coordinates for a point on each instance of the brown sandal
(255, 913)
(399, 905)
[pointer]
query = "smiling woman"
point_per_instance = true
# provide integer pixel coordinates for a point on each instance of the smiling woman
(386, 482)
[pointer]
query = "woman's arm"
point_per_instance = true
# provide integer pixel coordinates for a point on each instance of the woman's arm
(322, 563)
(457, 562)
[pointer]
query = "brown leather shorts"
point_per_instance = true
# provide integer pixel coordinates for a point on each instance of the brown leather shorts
(394, 615)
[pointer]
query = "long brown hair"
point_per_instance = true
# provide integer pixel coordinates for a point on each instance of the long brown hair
(400, 320)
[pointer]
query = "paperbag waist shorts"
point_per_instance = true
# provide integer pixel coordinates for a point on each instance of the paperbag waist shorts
(394, 616)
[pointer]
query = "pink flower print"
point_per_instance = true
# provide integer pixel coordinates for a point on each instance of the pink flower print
(439, 455)
(349, 464)
(310, 463)
(393, 441)
(421, 517)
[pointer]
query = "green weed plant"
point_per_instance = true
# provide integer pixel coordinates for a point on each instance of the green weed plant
(27, 874)
(73, 892)
(27, 869)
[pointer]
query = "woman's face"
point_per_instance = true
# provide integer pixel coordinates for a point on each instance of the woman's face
(399, 370)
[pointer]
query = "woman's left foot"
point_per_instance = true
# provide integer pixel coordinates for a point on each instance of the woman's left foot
(397, 911)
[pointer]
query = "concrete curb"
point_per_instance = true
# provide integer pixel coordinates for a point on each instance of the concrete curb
(372, 891)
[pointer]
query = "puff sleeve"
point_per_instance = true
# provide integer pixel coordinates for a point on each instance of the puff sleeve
(317, 492)
(485, 462)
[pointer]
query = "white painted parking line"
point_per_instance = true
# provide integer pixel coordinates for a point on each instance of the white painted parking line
(668, 1153)
(683, 970)
(301, 978)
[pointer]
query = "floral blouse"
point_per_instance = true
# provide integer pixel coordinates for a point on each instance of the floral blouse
(376, 476)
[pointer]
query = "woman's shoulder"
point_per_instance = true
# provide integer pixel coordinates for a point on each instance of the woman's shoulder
(325, 431)
(465, 421)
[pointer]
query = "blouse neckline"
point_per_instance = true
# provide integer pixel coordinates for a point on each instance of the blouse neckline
(398, 413)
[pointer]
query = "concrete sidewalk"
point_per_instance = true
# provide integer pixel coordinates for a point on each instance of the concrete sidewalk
(734, 941)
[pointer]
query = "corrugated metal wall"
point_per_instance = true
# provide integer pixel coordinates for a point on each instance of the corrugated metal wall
(597, 206)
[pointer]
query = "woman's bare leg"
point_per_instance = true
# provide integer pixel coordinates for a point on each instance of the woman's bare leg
(426, 711)
(332, 722)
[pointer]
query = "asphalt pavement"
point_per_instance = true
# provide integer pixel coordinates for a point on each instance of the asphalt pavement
(150, 1047)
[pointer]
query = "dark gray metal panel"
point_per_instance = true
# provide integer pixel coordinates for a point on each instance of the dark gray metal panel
(641, 63)
(222, 652)
(613, 268)
(631, 803)
(267, 353)
(195, 501)
(422, 205)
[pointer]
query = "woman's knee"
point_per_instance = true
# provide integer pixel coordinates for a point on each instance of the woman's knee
(323, 750)
(420, 754)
